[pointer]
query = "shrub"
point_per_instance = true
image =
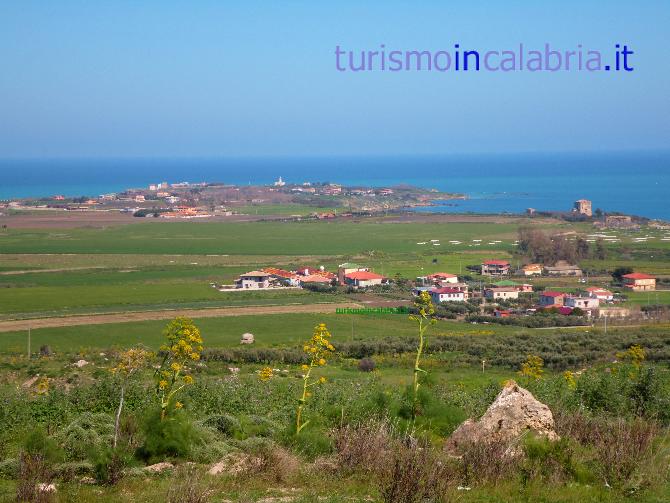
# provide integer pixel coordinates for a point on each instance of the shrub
(485, 463)
(411, 474)
(361, 446)
(189, 486)
(109, 463)
(168, 438)
(366, 365)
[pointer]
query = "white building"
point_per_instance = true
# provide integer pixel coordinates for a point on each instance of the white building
(280, 182)
(502, 293)
(253, 280)
(447, 295)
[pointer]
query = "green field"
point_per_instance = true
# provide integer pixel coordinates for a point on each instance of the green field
(257, 238)
(280, 330)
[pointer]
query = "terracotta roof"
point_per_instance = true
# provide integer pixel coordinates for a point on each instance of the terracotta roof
(315, 278)
(446, 290)
(553, 294)
(278, 272)
(638, 275)
(255, 274)
(496, 262)
(363, 275)
(441, 275)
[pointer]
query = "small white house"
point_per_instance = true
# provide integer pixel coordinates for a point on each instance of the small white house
(502, 293)
(447, 295)
(586, 304)
(253, 280)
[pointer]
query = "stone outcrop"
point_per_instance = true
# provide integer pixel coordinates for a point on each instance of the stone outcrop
(514, 412)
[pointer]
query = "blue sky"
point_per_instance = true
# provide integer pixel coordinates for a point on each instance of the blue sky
(217, 78)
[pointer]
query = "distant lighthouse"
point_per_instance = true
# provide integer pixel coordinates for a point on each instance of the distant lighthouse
(280, 182)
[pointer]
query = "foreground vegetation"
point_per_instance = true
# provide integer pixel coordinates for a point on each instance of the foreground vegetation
(288, 424)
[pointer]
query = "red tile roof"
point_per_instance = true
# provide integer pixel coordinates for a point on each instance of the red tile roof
(278, 272)
(446, 290)
(441, 275)
(363, 275)
(552, 294)
(315, 278)
(638, 275)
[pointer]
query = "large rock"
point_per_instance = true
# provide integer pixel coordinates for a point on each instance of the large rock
(514, 412)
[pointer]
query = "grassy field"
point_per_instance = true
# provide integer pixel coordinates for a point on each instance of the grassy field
(270, 331)
(257, 238)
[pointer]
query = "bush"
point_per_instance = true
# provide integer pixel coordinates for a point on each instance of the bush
(109, 463)
(366, 365)
(170, 438)
(189, 486)
(411, 474)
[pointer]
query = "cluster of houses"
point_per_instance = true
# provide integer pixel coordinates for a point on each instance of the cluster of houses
(347, 274)
(446, 287)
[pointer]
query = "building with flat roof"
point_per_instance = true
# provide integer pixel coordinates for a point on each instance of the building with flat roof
(583, 207)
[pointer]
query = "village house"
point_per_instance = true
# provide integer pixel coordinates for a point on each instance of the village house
(253, 280)
(284, 277)
(532, 270)
(447, 295)
(316, 278)
(438, 279)
(563, 268)
(347, 268)
(522, 288)
(639, 282)
(502, 293)
(552, 299)
(363, 279)
(599, 293)
(495, 268)
(586, 304)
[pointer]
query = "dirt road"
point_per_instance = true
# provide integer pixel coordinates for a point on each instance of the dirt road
(100, 319)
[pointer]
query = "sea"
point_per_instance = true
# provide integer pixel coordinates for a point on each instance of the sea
(635, 183)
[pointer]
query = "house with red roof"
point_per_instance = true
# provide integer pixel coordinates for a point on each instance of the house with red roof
(552, 299)
(447, 294)
(311, 271)
(284, 277)
(316, 278)
(639, 282)
(363, 279)
(495, 268)
(602, 294)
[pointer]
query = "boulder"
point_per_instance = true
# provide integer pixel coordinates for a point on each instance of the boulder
(247, 338)
(80, 363)
(514, 412)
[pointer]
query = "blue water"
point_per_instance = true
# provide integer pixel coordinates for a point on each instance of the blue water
(636, 183)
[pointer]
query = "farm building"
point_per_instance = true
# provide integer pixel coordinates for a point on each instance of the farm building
(253, 280)
(316, 278)
(532, 270)
(639, 282)
(447, 295)
(363, 279)
(347, 268)
(495, 268)
(563, 268)
(502, 292)
(282, 276)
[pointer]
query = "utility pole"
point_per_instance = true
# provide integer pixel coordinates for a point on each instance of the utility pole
(29, 342)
